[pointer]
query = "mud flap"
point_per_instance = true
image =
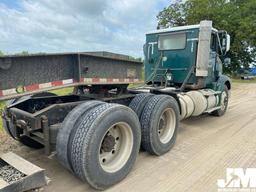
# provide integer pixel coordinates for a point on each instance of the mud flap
(18, 175)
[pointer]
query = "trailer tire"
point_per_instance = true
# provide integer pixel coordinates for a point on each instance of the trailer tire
(159, 124)
(138, 103)
(64, 135)
(10, 127)
(5, 125)
(95, 137)
(224, 103)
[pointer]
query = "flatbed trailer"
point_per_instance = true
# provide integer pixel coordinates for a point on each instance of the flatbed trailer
(24, 75)
(97, 130)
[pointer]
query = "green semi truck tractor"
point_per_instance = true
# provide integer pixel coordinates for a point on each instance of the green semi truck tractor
(98, 130)
(188, 60)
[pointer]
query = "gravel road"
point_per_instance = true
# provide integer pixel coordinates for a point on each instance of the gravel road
(205, 147)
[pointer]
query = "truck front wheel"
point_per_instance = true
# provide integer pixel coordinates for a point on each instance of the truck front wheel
(224, 99)
(105, 145)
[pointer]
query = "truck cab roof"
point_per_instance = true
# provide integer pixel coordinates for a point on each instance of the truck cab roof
(179, 28)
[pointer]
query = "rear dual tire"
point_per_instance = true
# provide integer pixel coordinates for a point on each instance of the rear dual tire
(139, 102)
(103, 144)
(159, 124)
(68, 127)
(159, 118)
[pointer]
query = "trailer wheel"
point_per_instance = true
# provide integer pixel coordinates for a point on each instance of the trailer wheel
(139, 102)
(6, 127)
(223, 102)
(70, 122)
(105, 145)
(159, 124)
(10, 128)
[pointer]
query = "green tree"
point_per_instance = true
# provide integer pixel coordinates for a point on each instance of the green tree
(237, 17)
(1, 54)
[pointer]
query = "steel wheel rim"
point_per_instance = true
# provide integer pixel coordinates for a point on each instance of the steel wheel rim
(113, 160)
(166, 125)
(224, 100)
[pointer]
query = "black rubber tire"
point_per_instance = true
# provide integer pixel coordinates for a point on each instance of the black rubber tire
(24, 140)
(149, 124)
(10, 129)
(138, 103)
(87, 141)
(220, 112)
(6, 127)
(69, 123)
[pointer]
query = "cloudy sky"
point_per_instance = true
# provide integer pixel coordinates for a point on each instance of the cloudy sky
(77, 25)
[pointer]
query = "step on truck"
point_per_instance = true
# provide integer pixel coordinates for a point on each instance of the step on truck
(98, 130)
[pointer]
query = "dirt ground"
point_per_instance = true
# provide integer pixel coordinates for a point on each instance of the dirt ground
(205, 147)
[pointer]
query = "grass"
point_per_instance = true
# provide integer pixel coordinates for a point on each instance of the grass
(2, 105)
(243, 81)
(63, 91)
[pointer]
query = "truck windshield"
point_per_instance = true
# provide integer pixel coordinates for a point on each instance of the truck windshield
(172, 41)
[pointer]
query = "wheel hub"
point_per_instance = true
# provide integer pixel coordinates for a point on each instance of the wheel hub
(116, 147)
(108, 143)
(224, 100)
(162, 125)
(166, 126)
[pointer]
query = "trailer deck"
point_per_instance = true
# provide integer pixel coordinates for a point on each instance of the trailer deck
(24, 75)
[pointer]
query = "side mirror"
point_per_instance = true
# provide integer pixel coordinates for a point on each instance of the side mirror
(224, 38)
(227, 61)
